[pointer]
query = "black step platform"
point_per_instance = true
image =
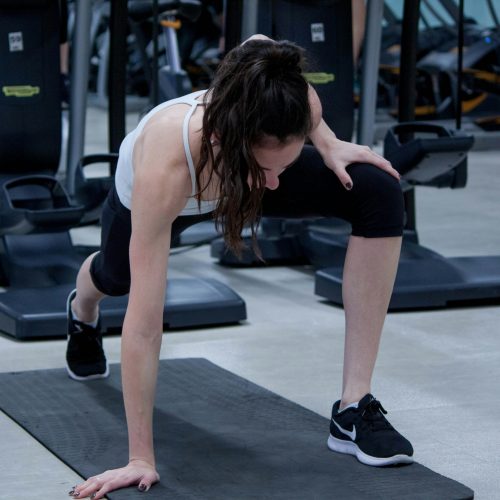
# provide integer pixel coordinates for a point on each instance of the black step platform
(27, 313)
(423, 283)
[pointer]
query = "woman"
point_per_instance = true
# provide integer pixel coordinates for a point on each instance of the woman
(234, 153)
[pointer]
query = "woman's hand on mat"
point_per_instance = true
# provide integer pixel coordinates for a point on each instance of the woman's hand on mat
(137, 472)
(343, 153)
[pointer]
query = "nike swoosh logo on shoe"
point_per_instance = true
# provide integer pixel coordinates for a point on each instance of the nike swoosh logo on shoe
(350, 434)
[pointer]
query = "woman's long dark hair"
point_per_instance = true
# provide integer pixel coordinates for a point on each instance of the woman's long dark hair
(258, 91)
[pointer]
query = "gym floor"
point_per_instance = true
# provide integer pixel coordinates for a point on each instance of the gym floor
(437, 373)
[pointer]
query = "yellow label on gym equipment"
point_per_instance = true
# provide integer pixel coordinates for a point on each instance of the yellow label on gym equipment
(20, 91)
(319, 78)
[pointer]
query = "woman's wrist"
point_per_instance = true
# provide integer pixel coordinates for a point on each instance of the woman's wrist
(149, 461)
(327, 149)
(324, 139)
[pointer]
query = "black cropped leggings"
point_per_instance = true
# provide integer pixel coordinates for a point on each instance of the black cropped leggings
(374, 207)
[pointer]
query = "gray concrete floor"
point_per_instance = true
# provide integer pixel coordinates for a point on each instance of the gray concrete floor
(437, 373)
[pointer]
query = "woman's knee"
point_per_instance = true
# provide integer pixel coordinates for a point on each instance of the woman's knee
(107, 281)
(379, 202)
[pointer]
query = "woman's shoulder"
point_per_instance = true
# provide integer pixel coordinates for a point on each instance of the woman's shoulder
(163, 132)
(173, 111)
(162, 137)
(168, 118)
(159, 161)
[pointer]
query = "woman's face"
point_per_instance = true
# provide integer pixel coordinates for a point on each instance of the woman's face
(275, 157)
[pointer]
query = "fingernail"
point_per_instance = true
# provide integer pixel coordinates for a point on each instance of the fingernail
(71, 493)
(348, 186)
(76, 494)
(93, 496)
(142, 487)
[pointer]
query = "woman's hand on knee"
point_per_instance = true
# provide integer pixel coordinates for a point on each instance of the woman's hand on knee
(344, 153)
(137, 472)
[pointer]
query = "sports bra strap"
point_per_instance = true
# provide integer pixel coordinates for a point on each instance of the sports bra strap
(187, 149)
(185, 137)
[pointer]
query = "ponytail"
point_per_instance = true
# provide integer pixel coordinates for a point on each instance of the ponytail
(258, 91)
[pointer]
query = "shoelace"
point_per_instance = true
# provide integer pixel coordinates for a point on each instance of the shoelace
(373, 414)
(84, 327)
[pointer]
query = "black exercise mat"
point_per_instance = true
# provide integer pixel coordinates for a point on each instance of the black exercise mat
(218, 436)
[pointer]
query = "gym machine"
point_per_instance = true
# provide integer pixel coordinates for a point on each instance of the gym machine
(430, 155)
(38, 261)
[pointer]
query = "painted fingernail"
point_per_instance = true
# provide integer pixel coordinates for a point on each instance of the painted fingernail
(142, 487)
(348, 186)
(93, 496)
(76, 494)
(71, 493)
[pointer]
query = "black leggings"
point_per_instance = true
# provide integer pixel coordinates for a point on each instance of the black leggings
(374, 207)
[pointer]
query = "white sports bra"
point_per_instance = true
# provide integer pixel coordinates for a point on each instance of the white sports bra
(124, 175)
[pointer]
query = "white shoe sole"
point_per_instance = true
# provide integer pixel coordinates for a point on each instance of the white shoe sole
(96, 376)
(350, 448)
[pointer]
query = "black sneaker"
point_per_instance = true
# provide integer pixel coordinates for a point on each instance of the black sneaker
(364, 432)
(85, 359)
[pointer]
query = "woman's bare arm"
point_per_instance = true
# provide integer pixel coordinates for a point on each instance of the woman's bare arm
(159, 194)
(161, 187)
(338, 154)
